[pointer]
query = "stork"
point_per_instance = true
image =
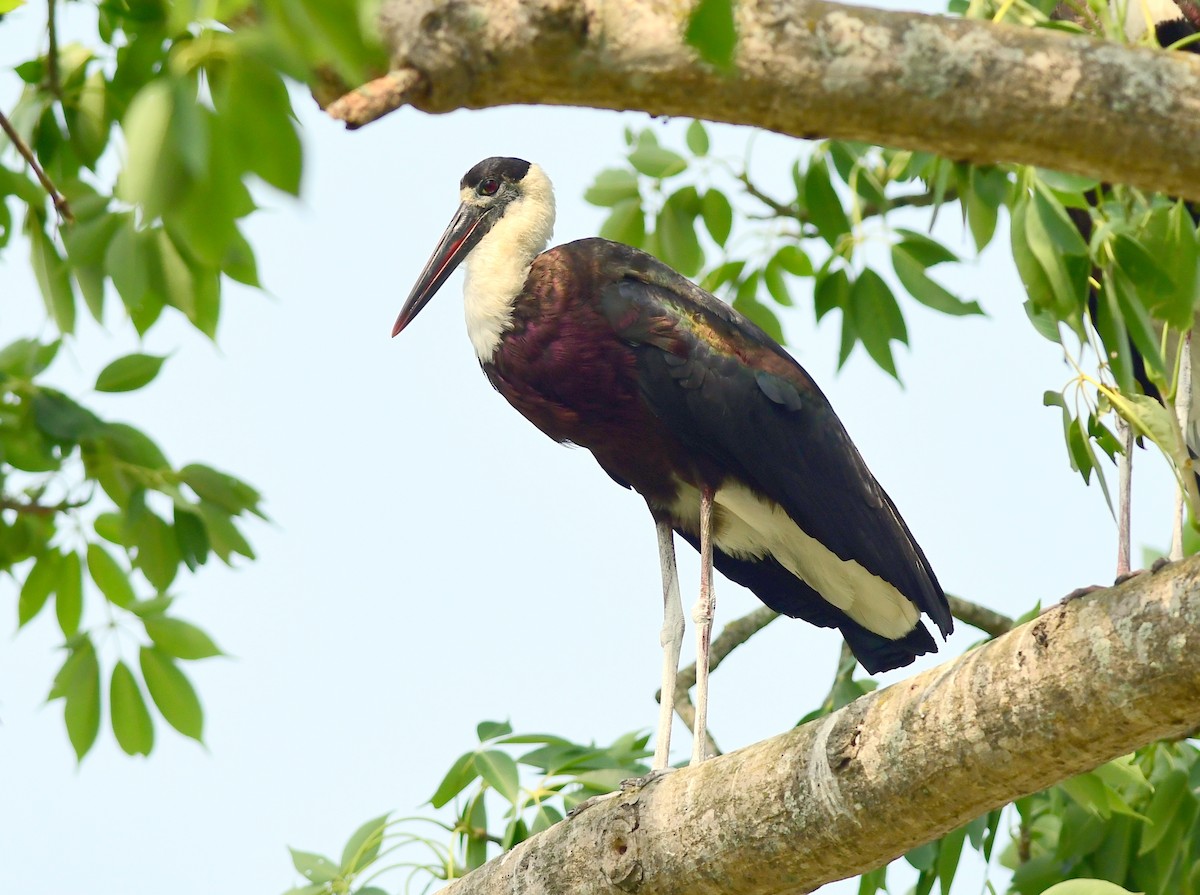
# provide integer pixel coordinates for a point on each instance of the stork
(681, 398)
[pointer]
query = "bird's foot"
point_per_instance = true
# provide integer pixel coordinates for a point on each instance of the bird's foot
(1156, 566)
(636, 783)
(627, 787)
(588, 803)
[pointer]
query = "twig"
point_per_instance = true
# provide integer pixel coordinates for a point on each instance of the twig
(52, 79)
(986, 620)
(33, 508)
(60, 201)
(376, 98)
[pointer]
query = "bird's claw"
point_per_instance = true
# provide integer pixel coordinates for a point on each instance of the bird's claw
(1157, 566)
(626, 787)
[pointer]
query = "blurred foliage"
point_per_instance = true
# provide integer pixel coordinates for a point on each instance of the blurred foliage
(156, 131)
(501, 792)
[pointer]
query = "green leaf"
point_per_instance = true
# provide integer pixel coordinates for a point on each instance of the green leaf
(1056, 223)
(776, 283)
(180, 639)
(611, 186)
(192, 537)
(152, 171)
(792, 259)
(824, 207)
(877, 318)
(25, 358)
(133, 446)
(363, 846)
(697, 138)
(78, 682)
(112, 580)
(1114, 335)
(1066, 183)
(172, 692)
(131, 722)
(220, 488)
(223, 535)
(712, 33)
(489, 730)
(128, 373)
(925, 251)
(626, 223)
(255, 118)
(317, 868)
(949, 852)
(39, 584)
(158, 554)
(458, 778)
(718, 215)
(1137, 322)
(61, 418)
(677, 233)
(1163, 809)
(911, 274)
(1087, 887)
(54, 280)
(653, 160)
(981, 200)
(68, 601)
(500, 772)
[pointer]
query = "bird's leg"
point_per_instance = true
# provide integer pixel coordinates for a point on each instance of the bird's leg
(1124, 497)
(703, 616)
(671, 639)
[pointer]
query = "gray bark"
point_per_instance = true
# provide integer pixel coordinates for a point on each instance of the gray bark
(1086, 682)
(967, 90)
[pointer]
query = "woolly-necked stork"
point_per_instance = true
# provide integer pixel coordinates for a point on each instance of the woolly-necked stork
(684, 400)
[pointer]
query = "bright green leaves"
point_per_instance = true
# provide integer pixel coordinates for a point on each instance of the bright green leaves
(509, 788)
(153, 166)
(1110, 272)
(129, 373)
(912, 256)
(112, 580)
(130, 718)
(652, 160)
(840, 188)
(711, 33)
(1128, 826)
(180, 639)
(78, 685)
(161, 520)
(172, 692)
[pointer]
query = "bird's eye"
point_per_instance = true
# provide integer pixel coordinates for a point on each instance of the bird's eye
(488, 187)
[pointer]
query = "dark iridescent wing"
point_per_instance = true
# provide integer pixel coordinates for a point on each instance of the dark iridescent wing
(725, 388)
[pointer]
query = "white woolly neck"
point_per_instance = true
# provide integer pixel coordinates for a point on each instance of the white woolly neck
(498, 265)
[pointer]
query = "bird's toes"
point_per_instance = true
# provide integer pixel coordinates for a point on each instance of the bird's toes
(594, 800)
(645, 780)
(1159, 564)
(1081, 592)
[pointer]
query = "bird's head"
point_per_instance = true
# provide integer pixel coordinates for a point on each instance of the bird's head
(507, 203)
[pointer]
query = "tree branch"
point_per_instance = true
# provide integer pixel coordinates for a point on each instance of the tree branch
(968, 90)
(59, 200)
(1086, 682)
(986, 620)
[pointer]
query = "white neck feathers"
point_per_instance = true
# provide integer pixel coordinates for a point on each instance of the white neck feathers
(498, 265)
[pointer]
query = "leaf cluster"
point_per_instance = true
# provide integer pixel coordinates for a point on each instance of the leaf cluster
(819, 235)
(502, 793)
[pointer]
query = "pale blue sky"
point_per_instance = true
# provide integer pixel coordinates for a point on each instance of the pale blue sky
(433, 560)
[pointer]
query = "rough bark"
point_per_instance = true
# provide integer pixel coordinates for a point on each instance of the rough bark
(1087, 681)
(968, 90)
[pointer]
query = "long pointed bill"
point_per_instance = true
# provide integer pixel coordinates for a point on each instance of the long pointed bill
(460, 237)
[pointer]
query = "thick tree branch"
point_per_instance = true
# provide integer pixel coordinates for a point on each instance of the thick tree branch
(1087, 681)
(968, 90)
